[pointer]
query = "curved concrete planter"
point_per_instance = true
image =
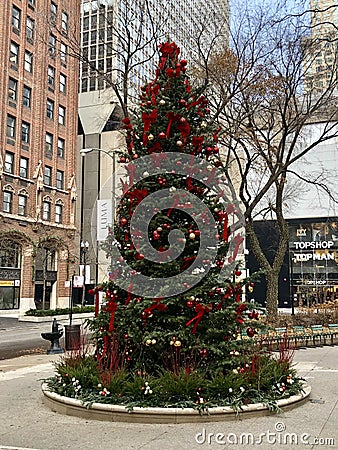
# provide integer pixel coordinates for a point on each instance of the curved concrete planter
(117, 413)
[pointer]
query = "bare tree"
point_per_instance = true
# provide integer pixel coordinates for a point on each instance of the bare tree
(266, 92)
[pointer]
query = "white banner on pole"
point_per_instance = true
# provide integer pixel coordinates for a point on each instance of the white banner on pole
(104, 215)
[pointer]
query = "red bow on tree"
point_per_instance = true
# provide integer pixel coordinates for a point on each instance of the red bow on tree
(201, 310)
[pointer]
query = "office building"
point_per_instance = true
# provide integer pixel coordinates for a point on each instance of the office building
(320, 48)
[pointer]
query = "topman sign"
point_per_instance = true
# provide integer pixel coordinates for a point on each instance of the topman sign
(312, 245)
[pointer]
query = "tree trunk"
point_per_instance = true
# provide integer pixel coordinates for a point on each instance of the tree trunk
(271, 295)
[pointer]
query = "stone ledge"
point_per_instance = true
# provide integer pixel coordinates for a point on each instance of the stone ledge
(118, 413)
(59, 317)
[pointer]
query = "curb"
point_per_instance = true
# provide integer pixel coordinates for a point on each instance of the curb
(118, 413)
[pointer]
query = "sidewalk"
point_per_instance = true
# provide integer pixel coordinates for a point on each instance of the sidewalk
(27, 424)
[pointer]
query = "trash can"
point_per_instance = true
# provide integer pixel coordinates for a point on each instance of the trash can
(72, 337)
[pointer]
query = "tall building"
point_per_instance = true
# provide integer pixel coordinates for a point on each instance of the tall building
(109, 28)
(320, 48)
(38, 140)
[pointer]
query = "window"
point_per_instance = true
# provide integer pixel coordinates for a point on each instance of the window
(16, 17)
(28, 61)
(53, 11)
(49, 145)
(64, 21)
(63, 52)
(51, 76)
(63, 81)
(24, 167)
(46, 211)
(62, 115)
(50, 109)
(47, 179)
(59, 179)
(52, 45)
(8, 202)
(29, 28)
(14, 53)
(11, 127)
(12, 89)
(22, 205)
(26, 96)
(61, 148)
(9, 163)
(25, 132)
(58, 213)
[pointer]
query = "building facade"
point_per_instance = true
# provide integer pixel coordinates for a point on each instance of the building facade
(38, 149)
(320, 48)
(120, 35)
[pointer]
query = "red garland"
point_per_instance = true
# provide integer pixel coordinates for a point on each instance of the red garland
(172, 118)
(148, 119)
(239, 311)
(201, 310)
(197, 142)
(184, 129)
(156, 305)
(111, 308)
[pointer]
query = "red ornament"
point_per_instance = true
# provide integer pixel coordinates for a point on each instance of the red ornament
(184, 62)
(123, 222)
(204, 353)
(122, 159)
(144, 315)
(250, 332)
(126, 335)
(238, 273)
(182, 102)
(135, 156)
(190, 304)
(162, 135)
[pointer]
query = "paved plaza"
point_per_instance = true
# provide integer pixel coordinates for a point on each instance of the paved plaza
(26, 423)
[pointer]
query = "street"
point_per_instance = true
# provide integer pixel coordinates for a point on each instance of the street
(21, 338)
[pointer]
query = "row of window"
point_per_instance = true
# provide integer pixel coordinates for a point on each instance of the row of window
(26, 132)
(17, 17)
(24, 171)
(27, 91)
(54, 14)
(7, 206)
(16, 23)
(14, 54)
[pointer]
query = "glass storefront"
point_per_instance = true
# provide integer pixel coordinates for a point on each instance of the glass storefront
(313, 250)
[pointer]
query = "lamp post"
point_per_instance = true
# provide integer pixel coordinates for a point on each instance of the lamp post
(84, 246)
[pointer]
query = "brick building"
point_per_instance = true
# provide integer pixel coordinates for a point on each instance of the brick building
(38, 139)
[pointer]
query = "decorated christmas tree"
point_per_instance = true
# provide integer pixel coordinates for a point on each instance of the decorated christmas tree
(175, 298)
(174, 329)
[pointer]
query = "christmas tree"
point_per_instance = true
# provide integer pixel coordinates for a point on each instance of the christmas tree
(170, 302)
(173, 329)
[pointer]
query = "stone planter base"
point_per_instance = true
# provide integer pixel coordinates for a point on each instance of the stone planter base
(117, 413)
